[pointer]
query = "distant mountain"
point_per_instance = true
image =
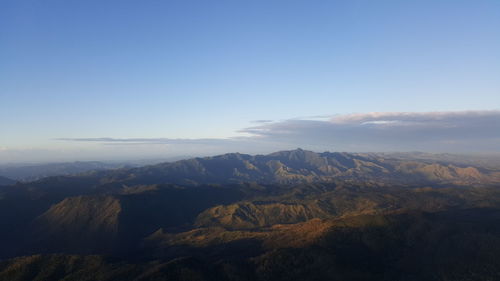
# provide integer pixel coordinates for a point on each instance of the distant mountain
(300, 166)
(491, 161)
(39, 171)
(285, 167)
(6, 181)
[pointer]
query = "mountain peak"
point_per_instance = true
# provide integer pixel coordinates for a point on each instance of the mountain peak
(296, 155)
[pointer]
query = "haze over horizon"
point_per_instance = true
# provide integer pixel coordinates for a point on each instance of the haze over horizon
(120, 80)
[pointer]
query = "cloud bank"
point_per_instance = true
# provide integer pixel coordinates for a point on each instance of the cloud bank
(459, 132)
(464, 131)
(454, 132)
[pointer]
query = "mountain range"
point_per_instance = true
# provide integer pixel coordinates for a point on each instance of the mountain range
(300, 166)
(289, 215)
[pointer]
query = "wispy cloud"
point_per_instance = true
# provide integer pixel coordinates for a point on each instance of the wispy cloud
(106, 140)
(262, 121)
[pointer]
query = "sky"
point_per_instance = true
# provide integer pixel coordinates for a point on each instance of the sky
(105, 80)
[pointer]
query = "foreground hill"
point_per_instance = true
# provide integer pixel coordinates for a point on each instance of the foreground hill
(449, 245)
(118, 223)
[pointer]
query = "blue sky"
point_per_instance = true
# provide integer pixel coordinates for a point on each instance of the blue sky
(208, 69)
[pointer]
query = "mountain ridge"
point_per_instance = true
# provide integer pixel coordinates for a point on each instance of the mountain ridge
(302, 166)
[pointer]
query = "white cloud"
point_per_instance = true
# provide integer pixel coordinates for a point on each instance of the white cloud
(382, 122)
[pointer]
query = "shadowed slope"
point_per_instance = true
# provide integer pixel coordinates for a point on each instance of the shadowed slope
(449, 245)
